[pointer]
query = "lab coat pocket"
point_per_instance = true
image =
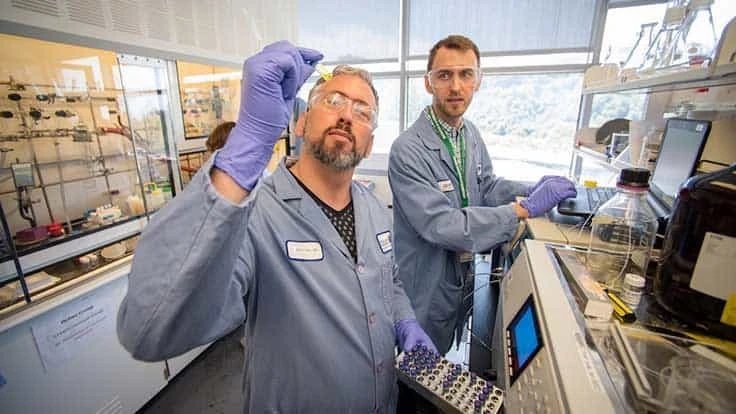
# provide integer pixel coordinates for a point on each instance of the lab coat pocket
(387, 287)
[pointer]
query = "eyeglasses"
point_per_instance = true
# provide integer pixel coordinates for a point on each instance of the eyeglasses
(336, 101)
(444, 76)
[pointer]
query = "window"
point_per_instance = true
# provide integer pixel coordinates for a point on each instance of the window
(527, 120)
(612, 106)
(502, 25)
(350, 31)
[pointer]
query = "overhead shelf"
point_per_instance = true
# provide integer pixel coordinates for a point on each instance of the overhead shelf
(721, 72)
(700, 78)
(614, 164)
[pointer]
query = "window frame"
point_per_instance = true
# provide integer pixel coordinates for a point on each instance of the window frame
(378, 163)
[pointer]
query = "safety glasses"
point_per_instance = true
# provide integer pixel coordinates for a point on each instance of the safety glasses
(335, 102)
(467, 75)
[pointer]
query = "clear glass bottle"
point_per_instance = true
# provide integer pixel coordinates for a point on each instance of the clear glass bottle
(623, 231)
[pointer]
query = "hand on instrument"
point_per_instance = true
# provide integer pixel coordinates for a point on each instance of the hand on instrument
(270, 82)
(548, 195)
(410, 334)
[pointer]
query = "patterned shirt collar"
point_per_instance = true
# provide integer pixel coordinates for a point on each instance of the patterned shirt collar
(450, 130)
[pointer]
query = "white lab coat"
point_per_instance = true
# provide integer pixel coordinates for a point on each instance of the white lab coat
(319, 327)
(431, 227)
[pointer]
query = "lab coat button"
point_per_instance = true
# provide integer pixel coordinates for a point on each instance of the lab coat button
(372, 318)
(379, 367)
(360, 268)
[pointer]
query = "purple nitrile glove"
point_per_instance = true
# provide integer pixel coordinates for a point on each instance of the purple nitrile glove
(548, 195)
(270, 82)
(410, 334)
(542, 181)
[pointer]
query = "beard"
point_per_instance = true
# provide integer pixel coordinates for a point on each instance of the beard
(336, 158)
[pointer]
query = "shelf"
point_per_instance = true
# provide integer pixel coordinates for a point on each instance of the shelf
(696, 78)
(96, 158)
(612, 164)
(194, 150)
(36, 258)
(51, 134)
(74, 180)
(725, 70)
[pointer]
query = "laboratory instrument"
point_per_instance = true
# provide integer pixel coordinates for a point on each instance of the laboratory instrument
(554, 359)
(643, 40)
(546, 362)
(696, 278)
(686, 37)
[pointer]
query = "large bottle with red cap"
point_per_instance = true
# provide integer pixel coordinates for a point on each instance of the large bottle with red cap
(623, 231)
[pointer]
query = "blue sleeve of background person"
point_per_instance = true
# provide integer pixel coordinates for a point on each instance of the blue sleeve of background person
(190, 273)
(429, 211)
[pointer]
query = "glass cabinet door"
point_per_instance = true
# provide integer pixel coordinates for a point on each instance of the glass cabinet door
(210, 95)
(64, 156)
(86, 153)
(145, 82)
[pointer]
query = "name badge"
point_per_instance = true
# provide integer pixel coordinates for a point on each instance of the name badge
(445, 186)
(309, 251)
(464, 257)
(384, 241)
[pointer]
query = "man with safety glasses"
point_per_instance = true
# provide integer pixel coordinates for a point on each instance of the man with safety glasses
(305, 259)
(447, 202)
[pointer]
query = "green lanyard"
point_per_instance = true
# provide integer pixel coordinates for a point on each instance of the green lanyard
(458, 162)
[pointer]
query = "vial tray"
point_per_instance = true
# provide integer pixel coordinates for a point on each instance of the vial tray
(447, 385)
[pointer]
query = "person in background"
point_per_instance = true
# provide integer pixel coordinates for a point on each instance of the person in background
(305, 259)
(295, 140)
(447, 203)
(218, 136)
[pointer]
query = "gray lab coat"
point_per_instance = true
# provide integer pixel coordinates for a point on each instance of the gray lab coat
(430, 226)
(319, 327)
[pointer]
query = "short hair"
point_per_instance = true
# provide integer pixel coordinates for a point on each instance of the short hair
(456, 42)
(347, 70)
(218, 136)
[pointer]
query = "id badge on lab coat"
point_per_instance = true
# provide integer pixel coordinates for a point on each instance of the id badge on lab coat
(445, 186)
(464, 257)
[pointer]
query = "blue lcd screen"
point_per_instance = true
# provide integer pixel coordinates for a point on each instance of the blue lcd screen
(526, 338)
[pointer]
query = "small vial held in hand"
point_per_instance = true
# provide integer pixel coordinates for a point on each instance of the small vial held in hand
(324, 73)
